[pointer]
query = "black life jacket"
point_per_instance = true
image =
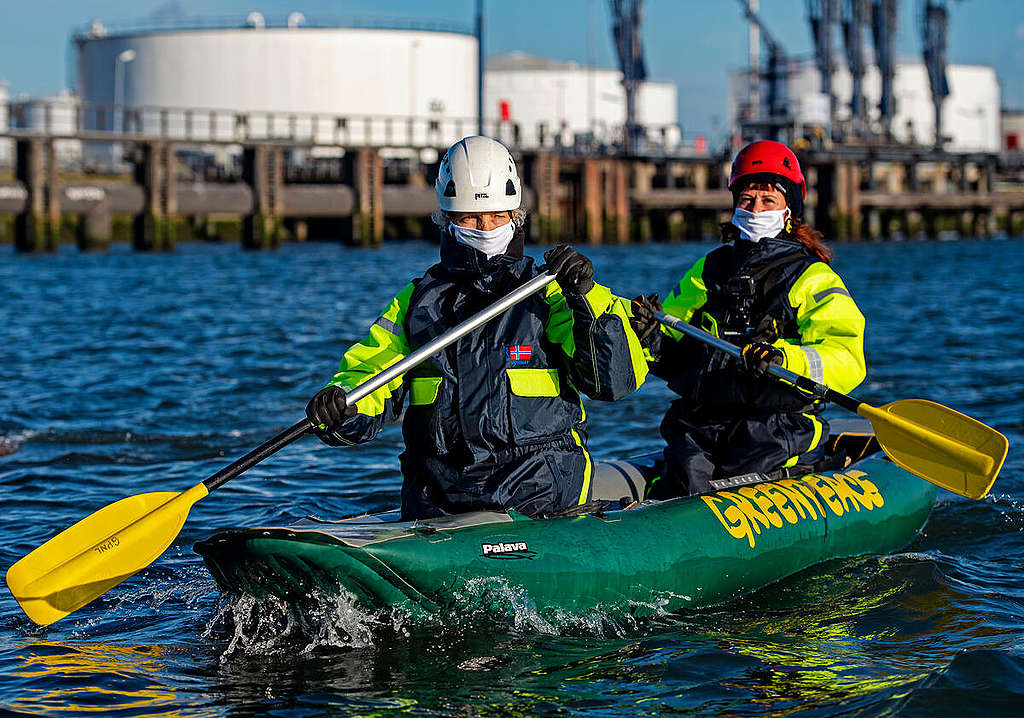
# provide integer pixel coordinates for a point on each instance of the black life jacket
(747, 285)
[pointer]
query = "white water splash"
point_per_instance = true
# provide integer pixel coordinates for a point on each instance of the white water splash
(10, 443)
(337, 621)
(496, 600)
(270, 625)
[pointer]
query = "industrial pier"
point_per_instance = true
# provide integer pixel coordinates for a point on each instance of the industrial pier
(265, 133)
(855, 192)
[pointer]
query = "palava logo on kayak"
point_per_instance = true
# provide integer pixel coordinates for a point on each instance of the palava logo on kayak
(749, 509)
(517, 549)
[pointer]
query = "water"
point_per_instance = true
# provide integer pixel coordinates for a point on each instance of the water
(125, 373)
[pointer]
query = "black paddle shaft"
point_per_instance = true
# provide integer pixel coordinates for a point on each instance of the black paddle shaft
(258, 454)
(811, 387)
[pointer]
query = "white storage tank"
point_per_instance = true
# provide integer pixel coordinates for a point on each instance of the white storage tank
(549, 99)
(970, 114)
(338, 84)
(55, 114)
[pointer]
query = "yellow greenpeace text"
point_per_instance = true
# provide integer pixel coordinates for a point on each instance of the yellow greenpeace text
(748, 510)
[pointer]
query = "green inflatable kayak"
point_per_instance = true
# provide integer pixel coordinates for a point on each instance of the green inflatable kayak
(684, 552)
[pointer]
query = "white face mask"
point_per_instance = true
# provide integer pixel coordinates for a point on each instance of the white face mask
(755, 226)
(491, 242)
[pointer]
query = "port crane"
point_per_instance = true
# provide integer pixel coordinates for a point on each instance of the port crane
(778, 117)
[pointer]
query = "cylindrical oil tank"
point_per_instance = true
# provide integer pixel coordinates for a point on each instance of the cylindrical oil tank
(335, 85)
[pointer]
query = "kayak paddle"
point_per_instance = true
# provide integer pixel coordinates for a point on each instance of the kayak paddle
(932, 441)
(107, 547)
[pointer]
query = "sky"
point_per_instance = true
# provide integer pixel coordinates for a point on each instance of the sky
(692, 43)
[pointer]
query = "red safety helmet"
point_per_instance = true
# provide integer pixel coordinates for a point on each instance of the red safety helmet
(772, 162)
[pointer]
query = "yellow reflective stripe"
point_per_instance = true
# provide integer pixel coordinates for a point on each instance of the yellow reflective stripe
(817, 431)
(815, 440)
(423, 390)
(637, 354)
(587, 470)
(533, 382)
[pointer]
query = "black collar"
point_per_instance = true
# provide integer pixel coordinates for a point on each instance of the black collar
(467, 265)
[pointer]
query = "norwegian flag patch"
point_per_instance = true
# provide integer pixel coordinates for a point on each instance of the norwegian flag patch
(519, 353)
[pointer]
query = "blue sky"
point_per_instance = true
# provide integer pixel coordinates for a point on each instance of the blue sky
(692, 43)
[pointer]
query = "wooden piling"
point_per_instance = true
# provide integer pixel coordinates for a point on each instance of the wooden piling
(368, 219)
(544, 177)
(619, 203)
(262, 169)
(32, 230)
(592, 219)
(155, 171)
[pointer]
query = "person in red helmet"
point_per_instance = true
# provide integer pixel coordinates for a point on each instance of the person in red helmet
(769, 288)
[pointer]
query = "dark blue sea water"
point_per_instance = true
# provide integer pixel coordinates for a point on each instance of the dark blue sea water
(123, 373)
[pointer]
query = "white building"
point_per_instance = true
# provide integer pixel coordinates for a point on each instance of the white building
(549, 99)
(337, 85)
(1012, 130)
(970, 114)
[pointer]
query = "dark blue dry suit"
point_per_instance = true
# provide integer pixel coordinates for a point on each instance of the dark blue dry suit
(726, 421)
(495, 421)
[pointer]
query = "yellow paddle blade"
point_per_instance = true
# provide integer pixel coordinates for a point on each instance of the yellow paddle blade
(88, 559)
(940, 445)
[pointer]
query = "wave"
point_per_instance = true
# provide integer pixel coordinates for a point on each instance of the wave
(268, 625)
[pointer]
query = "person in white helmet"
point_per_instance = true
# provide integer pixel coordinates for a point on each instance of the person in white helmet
(495, 421)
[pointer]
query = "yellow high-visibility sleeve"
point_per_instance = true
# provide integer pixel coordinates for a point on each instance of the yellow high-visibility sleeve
(689, 295)
(831, 345)
(384, 345)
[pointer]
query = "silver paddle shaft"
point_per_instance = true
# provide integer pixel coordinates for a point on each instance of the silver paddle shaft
(450, 337)
(299, 429)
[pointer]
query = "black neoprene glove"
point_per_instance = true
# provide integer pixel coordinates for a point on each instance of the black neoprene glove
(643, 321)
(767, 330)
(573, 271)
(326, 410)
(757, 357)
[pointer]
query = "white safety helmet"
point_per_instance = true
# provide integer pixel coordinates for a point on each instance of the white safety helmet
(478, 175)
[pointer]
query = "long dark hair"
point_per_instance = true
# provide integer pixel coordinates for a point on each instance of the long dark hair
(798, 230)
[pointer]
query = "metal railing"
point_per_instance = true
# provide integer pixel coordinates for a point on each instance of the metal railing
(94, 31)
(65, 118)
(69, 118)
